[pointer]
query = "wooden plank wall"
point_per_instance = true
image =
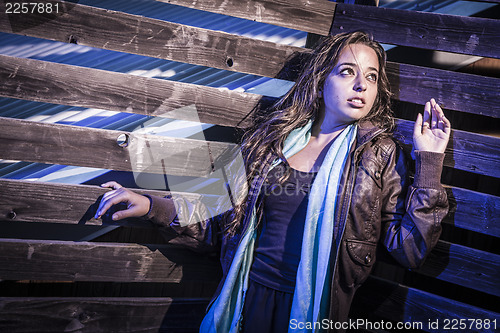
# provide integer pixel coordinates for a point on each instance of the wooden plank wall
(116, 279)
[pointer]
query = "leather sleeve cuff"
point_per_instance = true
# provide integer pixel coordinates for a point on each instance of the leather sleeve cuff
(162, 210)
(429, 166)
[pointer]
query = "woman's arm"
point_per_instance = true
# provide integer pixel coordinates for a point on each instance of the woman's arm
(412, 214)
(195, 224)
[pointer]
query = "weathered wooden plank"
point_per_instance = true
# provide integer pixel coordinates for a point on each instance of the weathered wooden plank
(82, 146)
(465, 92)
(28, 201)
(390, 301)
(60, 203)
(37, 202)
(101, 315)
(43, 81)
(62, 144)
(464, 266)
(86, 261)
(473, 211)
(466, 151)
(123, 32)
(77, 86)
(452, 33)
(310, 16)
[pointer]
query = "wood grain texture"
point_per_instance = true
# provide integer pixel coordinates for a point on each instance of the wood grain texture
(451, 33)
(61, 203)
(118, 31)
(81, 146)
(313, 16)
(114, 262)
(387, 300)
(466, 151)
(474, 211)
(48, 82)
(72, 145)
(46, 203)
(464, 266)
(101, 315)
(461, 92)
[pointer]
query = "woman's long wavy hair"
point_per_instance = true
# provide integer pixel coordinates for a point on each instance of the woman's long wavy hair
(302, 103)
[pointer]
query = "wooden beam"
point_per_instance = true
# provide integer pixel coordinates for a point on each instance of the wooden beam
(464, 266)
(101, 315)
(61, 203)
(311, 16)
(451, 33)
(387, 300)
(28, 201)
(113, 262)
(80, 146)
(43, 81)
(117, 31)
(48, 82)
(98, 148)
(466, 151)
(473, 211)
(463, 92)
(45, 203)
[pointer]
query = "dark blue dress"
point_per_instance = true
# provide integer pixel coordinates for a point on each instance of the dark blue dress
(268, 300)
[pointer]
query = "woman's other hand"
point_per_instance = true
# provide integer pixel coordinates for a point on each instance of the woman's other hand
(433, 131)
(137, 205)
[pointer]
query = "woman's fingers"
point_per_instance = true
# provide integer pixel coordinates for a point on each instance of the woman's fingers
(109, 199)
(434, 114)
(105, 204)
(446, 125)
(432, 130)
(137, 205)
(130, 212)
(417, 128)
(112, 184)
(426, 117)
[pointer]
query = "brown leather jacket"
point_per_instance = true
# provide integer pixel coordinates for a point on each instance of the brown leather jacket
(376, 207)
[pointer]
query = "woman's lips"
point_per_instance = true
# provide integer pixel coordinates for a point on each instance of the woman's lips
(356, 102)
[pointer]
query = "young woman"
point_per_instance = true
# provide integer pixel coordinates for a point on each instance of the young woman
(326, 185)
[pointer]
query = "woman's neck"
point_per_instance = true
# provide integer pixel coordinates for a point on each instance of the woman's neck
(325, 130)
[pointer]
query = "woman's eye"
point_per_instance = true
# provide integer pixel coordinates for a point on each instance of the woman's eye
(372, 77)
(347, 71)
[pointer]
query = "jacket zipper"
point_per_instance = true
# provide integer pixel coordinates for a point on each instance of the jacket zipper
(349, 195)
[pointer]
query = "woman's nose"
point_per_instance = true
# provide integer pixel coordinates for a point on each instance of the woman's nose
(360, 84)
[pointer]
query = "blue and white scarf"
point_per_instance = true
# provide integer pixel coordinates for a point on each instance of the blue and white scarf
(310, 301)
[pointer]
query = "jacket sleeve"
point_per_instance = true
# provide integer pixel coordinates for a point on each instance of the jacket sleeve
(412, 214)
(197, 221)
(187, 221)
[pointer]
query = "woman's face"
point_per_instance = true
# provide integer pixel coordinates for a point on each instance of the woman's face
(351, 87)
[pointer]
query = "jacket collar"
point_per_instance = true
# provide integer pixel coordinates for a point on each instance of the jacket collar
(367, 131)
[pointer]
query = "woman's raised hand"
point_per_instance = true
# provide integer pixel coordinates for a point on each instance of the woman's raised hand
(137, 205)
(433, 131)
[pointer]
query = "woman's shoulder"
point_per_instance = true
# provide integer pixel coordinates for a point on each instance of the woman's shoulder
(384, 146)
